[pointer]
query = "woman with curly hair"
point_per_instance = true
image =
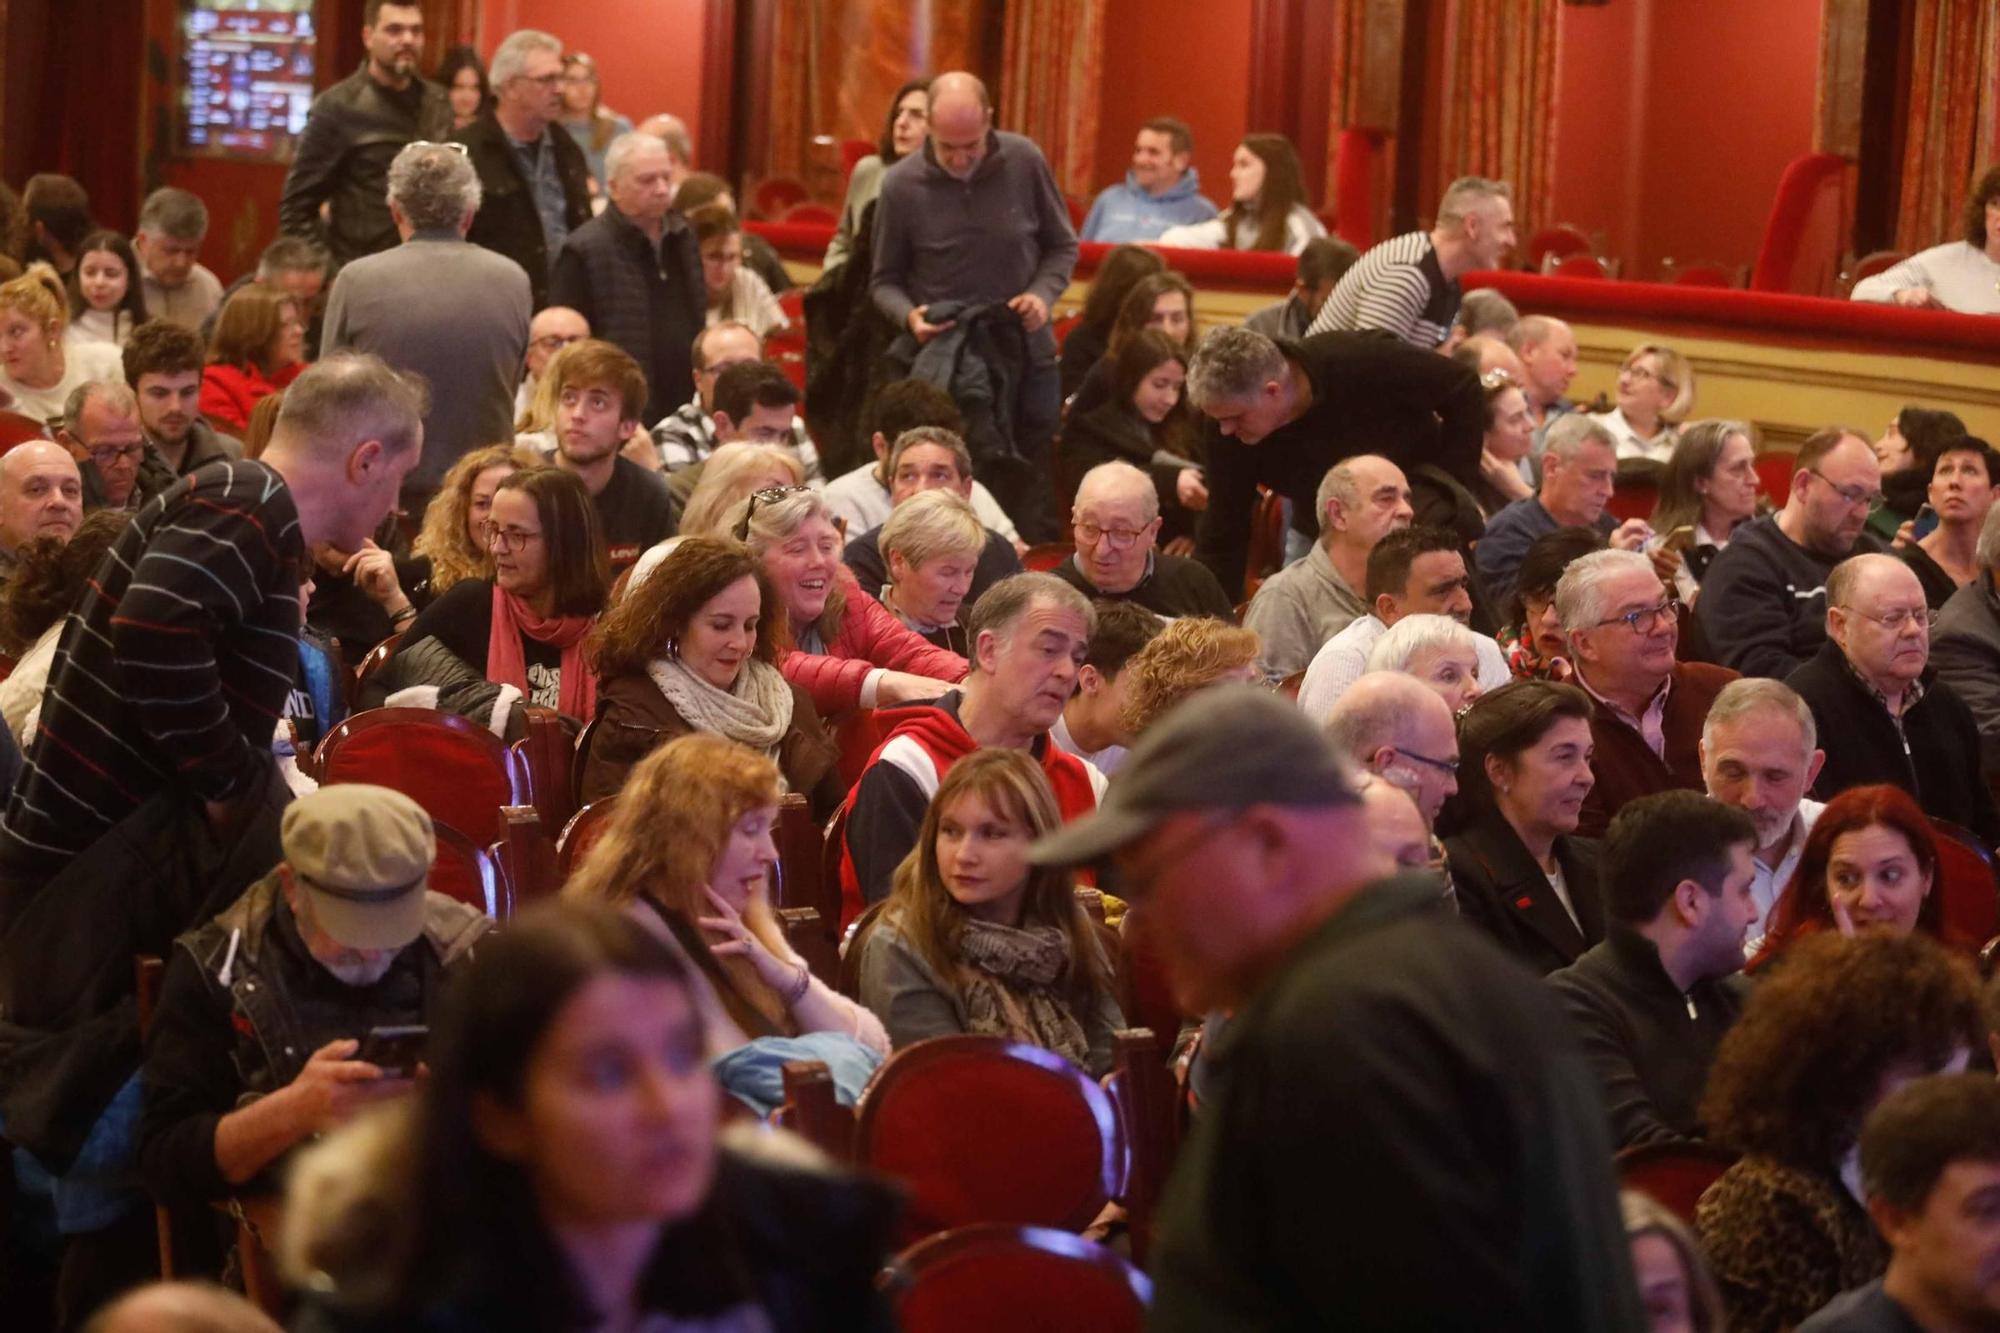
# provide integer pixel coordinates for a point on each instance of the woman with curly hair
(455, 532)
(1188, 655)
(37, 599)
(1845, 1022)
(695, 649)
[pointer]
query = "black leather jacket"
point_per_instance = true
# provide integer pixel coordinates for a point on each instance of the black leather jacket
(508, 220)
(353, 133)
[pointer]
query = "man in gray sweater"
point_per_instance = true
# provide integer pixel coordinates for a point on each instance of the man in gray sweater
(975, 218)
(451, 311)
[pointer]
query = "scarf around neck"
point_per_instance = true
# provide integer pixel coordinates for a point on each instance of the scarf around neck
(756, 711)
(507, 662)
(1014, 987)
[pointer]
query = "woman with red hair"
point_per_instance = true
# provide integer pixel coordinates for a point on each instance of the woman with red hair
(1871, 860)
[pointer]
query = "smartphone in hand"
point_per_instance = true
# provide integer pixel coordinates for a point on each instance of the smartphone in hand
(396, 1051)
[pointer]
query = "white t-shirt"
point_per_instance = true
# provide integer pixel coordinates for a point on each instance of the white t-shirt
(82, 363)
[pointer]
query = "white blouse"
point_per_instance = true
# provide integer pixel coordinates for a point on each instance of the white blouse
(1961, 277)
(1300, 226)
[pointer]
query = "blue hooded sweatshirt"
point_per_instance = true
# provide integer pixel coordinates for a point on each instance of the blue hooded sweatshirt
(1127, 213)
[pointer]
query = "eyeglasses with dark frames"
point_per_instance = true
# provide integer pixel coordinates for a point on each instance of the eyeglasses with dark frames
(768, 496)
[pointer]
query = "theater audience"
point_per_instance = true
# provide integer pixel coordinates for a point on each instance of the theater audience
(633, 271)
(177, 287)
(335, 187)
(1281, 416)
(101, 425)
(525, 629)
(259, 347)
(1484, 314)
(1438, 651)
(1655, 392)
(105, 300)
(1579, 470)
(1646, 706)
(1161, 190)
(1930, 1165)
(1407, 286)
(735, 293)
(693, 649)
(1241, 830)
(598, 392)
(1322, 264)
(529, 1187)
(672, 131)
(1958, 275)
(861, 499)
(1188, 655)
(1267, 203)
(49, 577)
(1883, 715)
(1412, 571)
(41, 495)
(1844, 1024)
(847, 652)
(1652, 1000)
(593, 125)
(974, 939)
(553, 328)
(1675, 1286)
(1547, 348)
(1116, 522)
(1535, 645)
(929, 547)
(1762, 605)
(1505, 466)
(462, 75)
(1089, 338)
(1144, 422)
(1965, 644)
(1521, 872)
(1908, 449)
(163, 364)
(456, 534)
(466, 334)
(909, 117)
(733, 473)
(1029, 636)
(1092, 725)
(1759, 753)
(687, 435)
(696, 190)
(1361, 500)
(1710, 486)
(928, 458)
(1401, 730)
(1163, 301)
(256, 1043)
(1961, 495)
(38, 368)
(745, 399)
(534, 180)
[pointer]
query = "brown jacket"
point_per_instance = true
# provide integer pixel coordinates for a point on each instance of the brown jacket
(634, 719)
(1626, 766)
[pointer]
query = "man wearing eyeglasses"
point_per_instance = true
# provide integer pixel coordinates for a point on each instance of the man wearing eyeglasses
(1883, 715)
(1762, 607)
(101, 424)
(552, 329)
(1646, 708)
(1116, 522)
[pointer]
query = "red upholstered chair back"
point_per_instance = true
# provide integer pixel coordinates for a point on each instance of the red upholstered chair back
(1560, 241)
(1358, 167)
(1002, 1279)
(1802, 237)
(796, 891)
(545, 758)
(817, 215)
(1970, 895)
(1673, 1174)
(1582, 266)
(1633, 499)
(1877, 261)
(773, 197)
(18, 428)
(377, 658)
(1145, 995)
(580, 834)
(980, 1129)
(1265, 553)
(1774, 475)
(848, 978)
(466, 871)
(454, 768)
(1047, 555)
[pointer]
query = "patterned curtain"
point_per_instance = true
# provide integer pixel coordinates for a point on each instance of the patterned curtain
(1498, 110)
(1049, 78)
(1953, 129)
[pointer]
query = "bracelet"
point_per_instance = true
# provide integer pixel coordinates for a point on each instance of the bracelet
(409, 612)
(798, 992)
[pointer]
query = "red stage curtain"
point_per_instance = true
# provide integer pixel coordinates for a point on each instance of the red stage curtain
(1498, 113)
(1953, 128)
(1050, 72)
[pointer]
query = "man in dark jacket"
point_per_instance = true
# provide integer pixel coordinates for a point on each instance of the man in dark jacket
(634, 272)
(258, 1039)
(355, 129)
(1654, 998)
(1762, 603)
(1883, 716)
(1406, 1133)
(1116, 521)
(1281, 414)
(534, 181)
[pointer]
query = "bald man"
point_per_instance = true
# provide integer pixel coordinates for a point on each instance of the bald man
(1393, 725)
(672, 131)
(41, 495)
(973, 227)
(1116, 523)
(552, 329)
(1882, 713)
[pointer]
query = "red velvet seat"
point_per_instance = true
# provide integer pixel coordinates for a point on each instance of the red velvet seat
(1633, 499)
(466, 871)
(980, 1129)
(581, 833)
(1581, 266)
(1560, 242)
(454, 768)
(1004, 1279)
(1673, 1174)
(1047, 556)
(1774, 475)
(1874, 262)
(818, 215)
(774, 197)
(1969, 893)
(545, 759)
(17, 428)
(377, 658)
(1802, 235)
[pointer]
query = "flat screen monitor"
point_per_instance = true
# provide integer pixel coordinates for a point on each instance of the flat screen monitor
(246, 69)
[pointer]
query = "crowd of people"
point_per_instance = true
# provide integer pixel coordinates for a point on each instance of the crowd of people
(1482, 834)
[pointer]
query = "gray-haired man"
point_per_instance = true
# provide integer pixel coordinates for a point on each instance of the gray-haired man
(1408, 285)
(178, 287)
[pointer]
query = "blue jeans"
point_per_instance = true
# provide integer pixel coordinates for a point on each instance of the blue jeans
(102, 1184)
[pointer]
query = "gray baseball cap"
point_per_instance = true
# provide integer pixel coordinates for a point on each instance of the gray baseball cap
(1224, 748)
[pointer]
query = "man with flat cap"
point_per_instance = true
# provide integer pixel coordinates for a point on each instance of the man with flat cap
(257, 1035)
(1404, 1133)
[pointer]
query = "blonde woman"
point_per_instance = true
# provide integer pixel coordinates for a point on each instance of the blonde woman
(974, 939)
(1675, 1286)
(455, 532)
(1655, 394)
(930, 550)
(689, 851)
(732, 474)
(38, 368)
(1189, 653)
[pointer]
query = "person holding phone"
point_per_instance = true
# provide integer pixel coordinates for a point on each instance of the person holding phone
(303, 1001)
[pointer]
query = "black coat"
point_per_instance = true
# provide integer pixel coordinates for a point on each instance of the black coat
(1939, 766)
(508, 222)
(352, 134)
(651, 302)
(1502, 891)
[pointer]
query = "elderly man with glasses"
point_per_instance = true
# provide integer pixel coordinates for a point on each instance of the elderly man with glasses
(1762, 602)
(1116, 522)
(1646, 708)
(1882, 713)
(101, 423)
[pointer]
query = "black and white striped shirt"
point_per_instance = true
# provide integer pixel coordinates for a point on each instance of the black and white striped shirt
(1397, 288)
(173, 668)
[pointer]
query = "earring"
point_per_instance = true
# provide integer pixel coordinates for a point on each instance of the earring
(674, 649)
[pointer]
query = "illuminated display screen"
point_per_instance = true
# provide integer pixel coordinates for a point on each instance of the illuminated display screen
(246, 77)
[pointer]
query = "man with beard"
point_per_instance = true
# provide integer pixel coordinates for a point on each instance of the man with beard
(600, 392)
(163, 366)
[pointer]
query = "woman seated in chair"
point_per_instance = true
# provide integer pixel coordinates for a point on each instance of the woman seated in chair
(1534, 643)
(693, 649)
(1870, 860)
(1087, 341)
(456, 540)
(974, 939)
(718, 487)
(1509, 439)
(847, 651)
(1655, 391)
(930, 549)
(1710, 486)
(1438, 651)
(1163, 302)
(565, 1167)
(689, 851)
(259, 346)
(1143, 421)
(523, 629)
(1844, 1023)
(1520, 872)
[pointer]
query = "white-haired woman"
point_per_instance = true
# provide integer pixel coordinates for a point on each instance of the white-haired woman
(1438, 651)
